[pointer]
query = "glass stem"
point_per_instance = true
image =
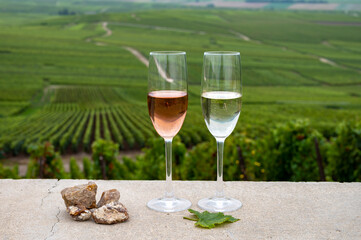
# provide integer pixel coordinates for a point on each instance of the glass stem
(168, 168)
(220, 147)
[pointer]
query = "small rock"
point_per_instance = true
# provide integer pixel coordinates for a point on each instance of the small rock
(80, 195)
(79, 213)
(75, 210)
(84, 216)
(110, 213)
(109, 196)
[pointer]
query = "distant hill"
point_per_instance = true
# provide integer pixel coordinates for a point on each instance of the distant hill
(71, 7)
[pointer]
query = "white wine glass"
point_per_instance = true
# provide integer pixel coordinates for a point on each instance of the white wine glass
(221, 104)
(167, 105)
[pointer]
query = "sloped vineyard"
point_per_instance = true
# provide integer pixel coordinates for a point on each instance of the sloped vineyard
(76, 116)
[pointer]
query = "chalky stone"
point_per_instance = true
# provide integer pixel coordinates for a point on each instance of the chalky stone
(79, 213)
(109, 196)
(110, 213)
(80, 195)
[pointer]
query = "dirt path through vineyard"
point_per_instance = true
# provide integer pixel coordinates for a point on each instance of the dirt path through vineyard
(106, 29)
(135, 52)
(138, 55)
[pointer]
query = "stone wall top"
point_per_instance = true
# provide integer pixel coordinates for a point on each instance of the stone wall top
(34, 209)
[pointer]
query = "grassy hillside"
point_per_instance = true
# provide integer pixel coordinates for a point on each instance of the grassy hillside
(65, 80)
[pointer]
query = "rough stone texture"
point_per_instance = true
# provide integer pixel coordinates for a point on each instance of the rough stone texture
(79, 213)
(33, 209)
(109, 196)
(80, 195)
(110, 213)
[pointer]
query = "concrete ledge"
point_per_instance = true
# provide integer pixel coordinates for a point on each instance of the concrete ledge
(34, 209)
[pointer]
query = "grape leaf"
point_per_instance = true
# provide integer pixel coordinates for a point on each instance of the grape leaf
(209, 220)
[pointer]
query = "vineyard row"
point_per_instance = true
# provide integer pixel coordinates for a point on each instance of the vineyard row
(74, 129)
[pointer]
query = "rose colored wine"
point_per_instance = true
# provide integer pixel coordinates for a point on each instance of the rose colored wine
(167, 109)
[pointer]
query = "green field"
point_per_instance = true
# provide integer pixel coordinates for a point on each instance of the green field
(64, 80)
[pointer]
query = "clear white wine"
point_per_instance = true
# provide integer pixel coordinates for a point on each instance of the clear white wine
(221, 111)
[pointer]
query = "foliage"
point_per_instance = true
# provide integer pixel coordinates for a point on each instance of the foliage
(241, 161)
(75, 172)
(106, 164)
(210, 220)
(151, 165)
(289, 153)
(45, 162)
(344, 153)
(238, 160)
(7, 172)
(202, 156)
(88, 168)
(292, 151)
(129, 169)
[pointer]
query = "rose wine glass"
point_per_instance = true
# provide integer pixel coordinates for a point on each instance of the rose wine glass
(221, 104)
(167, 105)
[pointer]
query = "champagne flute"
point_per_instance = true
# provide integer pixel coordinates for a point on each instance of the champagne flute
(221, 105)
(167, 105)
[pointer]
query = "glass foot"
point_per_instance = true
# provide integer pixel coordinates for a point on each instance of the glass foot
(216, 204)
(169, 204)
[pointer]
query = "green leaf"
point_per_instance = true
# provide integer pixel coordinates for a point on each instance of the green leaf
(209, 220)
